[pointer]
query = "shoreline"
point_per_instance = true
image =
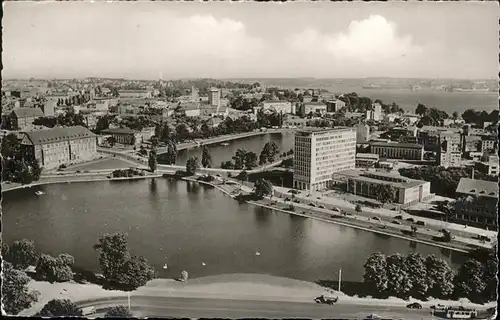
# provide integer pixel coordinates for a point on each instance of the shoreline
(189, 179)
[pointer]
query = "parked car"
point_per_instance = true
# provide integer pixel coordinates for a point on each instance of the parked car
(321, 206)
(319, 198)
(410, 220)
(414, 305)
(287, 199)
(373, 316)
(420, 223)
(335, 209)
(376, 218)
(396, 222)
(296, 201)
(438, 307)
(399, 217)
(326, 300)
(312, 204)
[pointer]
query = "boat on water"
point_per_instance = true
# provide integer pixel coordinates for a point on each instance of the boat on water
(224, 144)
(165, 266)
(39, 193)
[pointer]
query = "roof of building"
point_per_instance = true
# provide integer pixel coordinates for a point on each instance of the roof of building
(275, 101)
(133, 91)
(478, 187)
(379, 178)
(396, 145)
(472, 138)
(315, 103)
(28, 112)
(367, 156)
(312, 130)
(58, 134)
(120, 131)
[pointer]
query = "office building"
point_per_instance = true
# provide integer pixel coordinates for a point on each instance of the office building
(408, 151)
(375, 114)
(57, 146)
(476, 203)
(449, 151)
(362, 133)
(366, 160)
(407, 191)
(214, 97)
(488, 166)
(320, 153)
(489, 143)
(278, 106)
(335, 105)
(314, 107)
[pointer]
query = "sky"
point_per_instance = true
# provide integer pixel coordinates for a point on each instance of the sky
(143, 40)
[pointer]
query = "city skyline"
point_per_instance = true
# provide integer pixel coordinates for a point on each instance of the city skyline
(225, 40)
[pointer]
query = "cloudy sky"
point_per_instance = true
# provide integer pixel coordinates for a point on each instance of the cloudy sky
(223, 40)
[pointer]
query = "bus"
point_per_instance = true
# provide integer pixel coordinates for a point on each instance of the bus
(460, 313)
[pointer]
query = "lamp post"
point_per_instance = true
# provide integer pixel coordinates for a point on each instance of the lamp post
(340, 278)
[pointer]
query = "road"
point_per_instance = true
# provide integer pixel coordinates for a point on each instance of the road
(154, 306)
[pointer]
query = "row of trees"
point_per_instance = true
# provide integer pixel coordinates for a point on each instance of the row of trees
(419, 277)
(480, 117)
(444, 181)
(17, 165)
(243, 159)
(74, 100)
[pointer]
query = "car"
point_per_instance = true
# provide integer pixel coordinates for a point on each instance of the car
(296, 201)
(376, 218)
(308, 195)
(326, 300)
(414, 305)
(396, 222)
(410, 220)
(335, 209)
(321, 206)
(287, 199)
(218, 175)
(399, 217)
(438, 307)
(373, 316)
(420, 223)
(319, 198)
(312, 204)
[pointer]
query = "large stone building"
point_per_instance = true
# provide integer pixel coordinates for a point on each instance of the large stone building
(124, 136)
(407, 191)
(407, 151)
(320, 153)
(476, 203)
(21, 118)
(277, 106)
(57, 146)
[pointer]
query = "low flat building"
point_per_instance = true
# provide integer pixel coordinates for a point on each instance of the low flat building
(407, 191)
(24, 117)
(407, 151)
(476, 203)
(315, 107)
(134, 93)
(334, 105)
(278, 106)
(57, 146)
(489, 166)
(366, 160)
(125, 136)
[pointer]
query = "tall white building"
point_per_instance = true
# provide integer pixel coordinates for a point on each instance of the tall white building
(214, 97)
(375, 113)
(319, 154)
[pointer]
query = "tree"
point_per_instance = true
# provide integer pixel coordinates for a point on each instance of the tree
(385, 193)
(469, 282)
(421, 110)
(22, 254)
(67, 259)
(111, 140)
(113, 254)
(15, 293)
(184, 276)
(239, 159)
(250, 160)
(171, 155)
(152, 160)
(53, 269)
(375, 275)
(454, 116)
(135, 273)
(243, 176)
(118, 312)
(60, 308)
(490, 277)
(415, 265)
(439, 277)
(398, 279)
(192, 165)
(358, 208)
(263, 188)
(206, 158)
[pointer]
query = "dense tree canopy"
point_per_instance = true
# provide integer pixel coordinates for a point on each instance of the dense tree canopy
(192, 165)
(60, 308)
(15, 293)
(22, 254)
(263, 188)
(118, 312)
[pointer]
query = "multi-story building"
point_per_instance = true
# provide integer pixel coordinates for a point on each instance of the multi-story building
(21, 118)
(278, 106)
(333, 106)
(362, 133)
(134, 94)
(488, 166)
(449, 151)
(57, 146)
(124, 135)
(315, 107)
(476, 203)
(214, 97)
(375, 114)
(320, 153)
(407, 191)
(49, 108)
(408, 151)
(489, 143)
(471, 144)
(366, 160)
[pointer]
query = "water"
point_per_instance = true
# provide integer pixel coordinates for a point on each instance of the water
(221, 153)
(185, 224)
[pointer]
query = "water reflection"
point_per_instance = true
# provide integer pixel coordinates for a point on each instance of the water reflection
(262, 215)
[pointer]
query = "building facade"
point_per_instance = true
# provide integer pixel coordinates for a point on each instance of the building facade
(333, 106)
(125, 136)
(21, 118)
(407, 191)
(214, 96)
(375, 114)
(366, 160)
(476, 203)
(315, 107)
(362, 133)
(318, 154)
(278, 106)
(134, 94)
(408, 151)
(57, 146)
(449, 150)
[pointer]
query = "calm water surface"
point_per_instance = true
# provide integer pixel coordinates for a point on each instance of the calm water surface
(186, 224)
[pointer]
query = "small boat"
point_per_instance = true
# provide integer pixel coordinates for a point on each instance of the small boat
(39, 193)
(165, 266)
(224, 144)
(257, 253)
(203, 264)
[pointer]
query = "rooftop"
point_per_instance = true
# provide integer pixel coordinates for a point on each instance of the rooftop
(28, 112)
(478, 187)
(58, 134)
(120, 131)
(315, 130)
(392, 179)
(396, 145)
